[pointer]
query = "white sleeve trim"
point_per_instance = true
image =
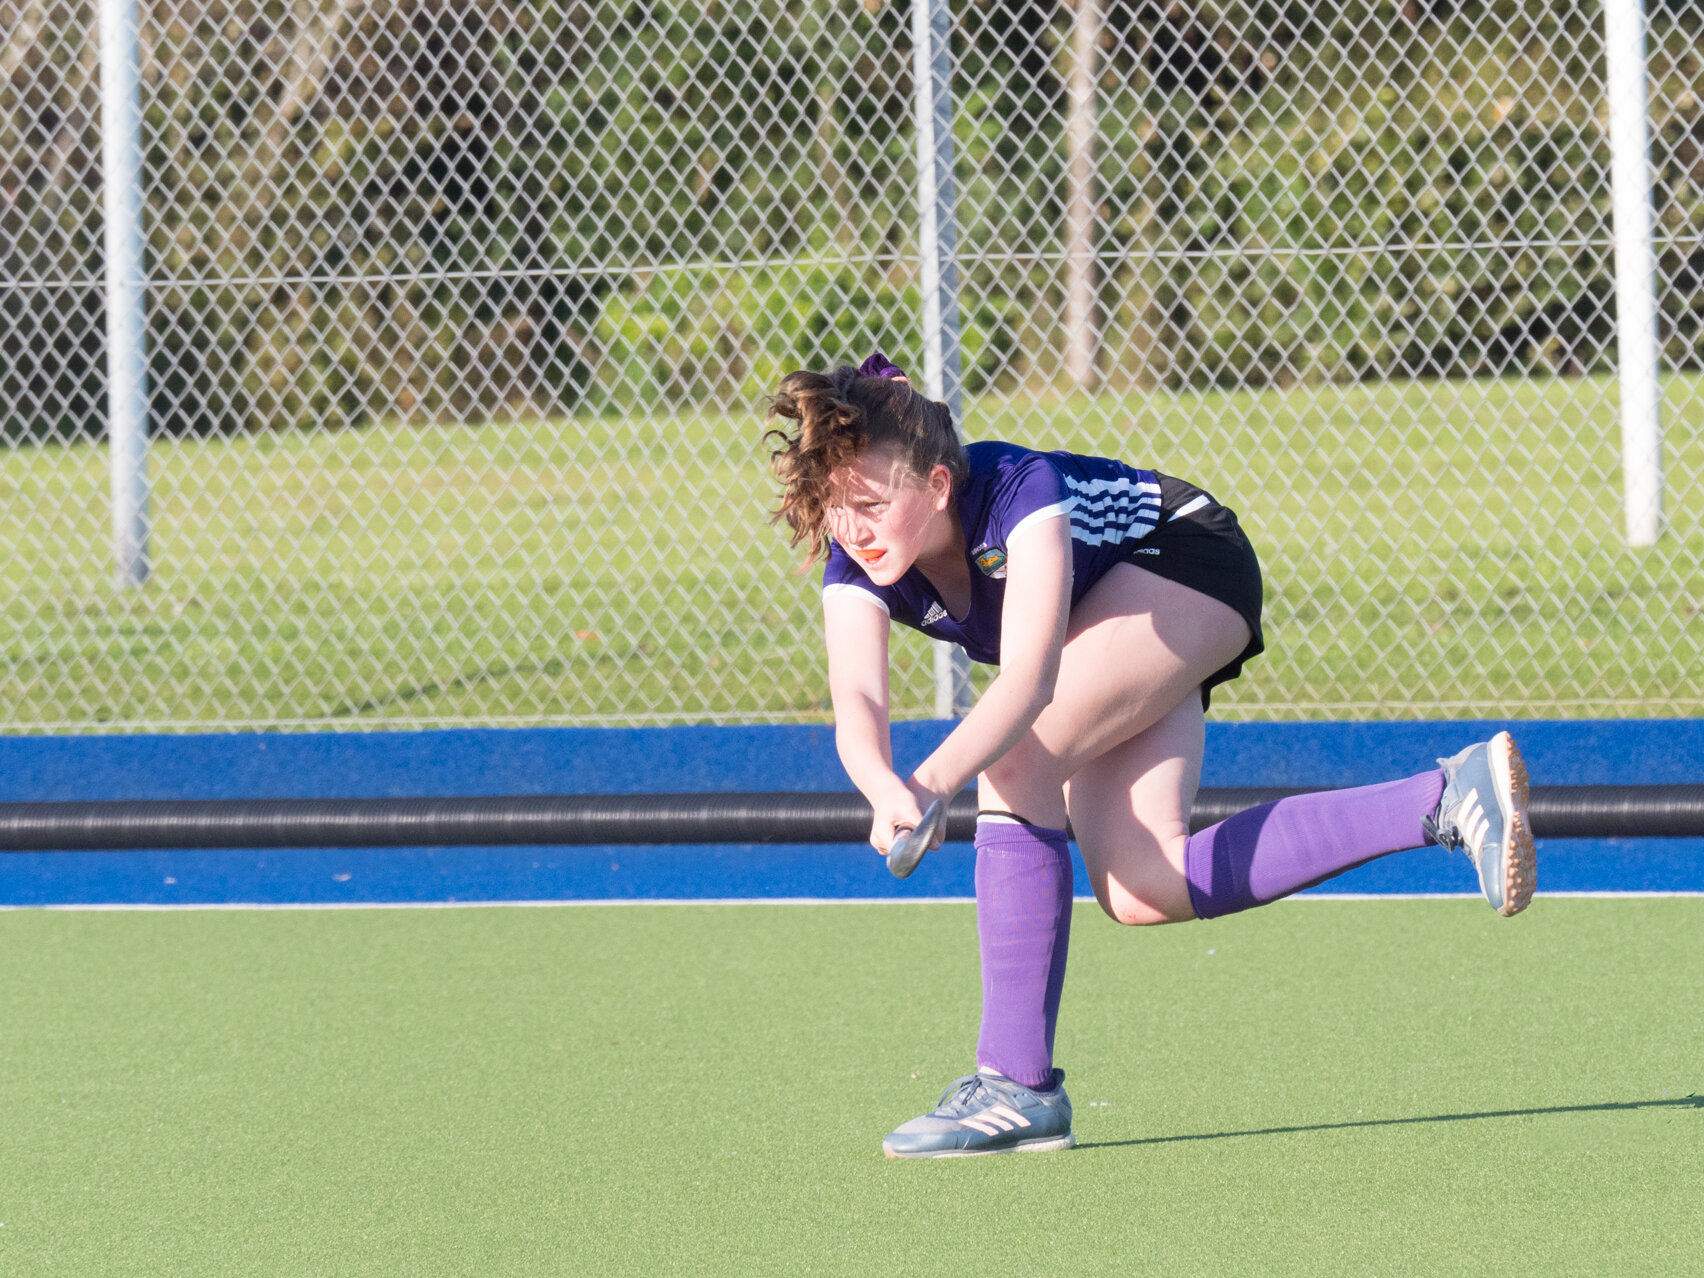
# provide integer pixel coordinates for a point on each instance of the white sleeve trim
(845, 588)
(1046, 512)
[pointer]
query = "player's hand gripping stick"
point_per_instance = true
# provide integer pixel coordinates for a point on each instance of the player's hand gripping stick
(909, 847)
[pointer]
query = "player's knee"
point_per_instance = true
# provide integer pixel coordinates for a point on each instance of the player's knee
(1022, 771)
(1121, 905)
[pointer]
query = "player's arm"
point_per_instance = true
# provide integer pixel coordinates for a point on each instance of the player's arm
(1032, 634)
(856, 629)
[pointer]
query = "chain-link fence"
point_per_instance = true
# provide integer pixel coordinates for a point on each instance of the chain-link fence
(459, 317)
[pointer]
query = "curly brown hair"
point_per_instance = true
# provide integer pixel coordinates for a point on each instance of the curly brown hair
(839, 416)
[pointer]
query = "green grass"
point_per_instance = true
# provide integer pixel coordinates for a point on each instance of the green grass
(1431, 548)
(1349, 1087)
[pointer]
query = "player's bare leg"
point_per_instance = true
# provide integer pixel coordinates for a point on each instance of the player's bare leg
(1130, 812)
(1138, 645)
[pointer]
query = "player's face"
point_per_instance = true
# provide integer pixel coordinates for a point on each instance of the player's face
(884, 516)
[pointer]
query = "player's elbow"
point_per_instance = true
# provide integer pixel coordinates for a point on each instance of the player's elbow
(1044, 682)
(859, 725)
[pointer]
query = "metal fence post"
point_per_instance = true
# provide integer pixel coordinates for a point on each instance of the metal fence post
(1081, 340)
(937, 234)
(1635, 270)
(126, 313)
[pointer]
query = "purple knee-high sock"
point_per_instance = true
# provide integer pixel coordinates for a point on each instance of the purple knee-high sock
(1278, 848)
(1023, 925)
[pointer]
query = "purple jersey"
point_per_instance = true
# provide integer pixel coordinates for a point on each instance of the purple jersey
(1112, 507)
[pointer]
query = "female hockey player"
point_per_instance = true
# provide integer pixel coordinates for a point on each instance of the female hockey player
(1113, 599)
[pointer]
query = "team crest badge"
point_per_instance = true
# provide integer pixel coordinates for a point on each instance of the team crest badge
(992, 561)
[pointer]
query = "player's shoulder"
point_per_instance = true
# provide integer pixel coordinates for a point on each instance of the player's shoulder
(839, 568)
(844, 577)
(996, 457)
(999, 470)
(1010, 486)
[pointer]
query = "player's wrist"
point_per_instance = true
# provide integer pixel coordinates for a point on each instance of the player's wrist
(928, 785)
(887, 788)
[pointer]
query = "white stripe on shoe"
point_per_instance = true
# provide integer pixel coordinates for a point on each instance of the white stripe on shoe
(1004, 1111)
(1470, 819)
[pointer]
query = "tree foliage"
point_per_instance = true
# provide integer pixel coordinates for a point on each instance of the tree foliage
(418, 209)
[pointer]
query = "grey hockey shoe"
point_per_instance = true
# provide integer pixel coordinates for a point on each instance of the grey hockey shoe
(987, 1113)
(1483, 813)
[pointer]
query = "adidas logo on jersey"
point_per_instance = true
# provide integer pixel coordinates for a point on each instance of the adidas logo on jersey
(935, 613)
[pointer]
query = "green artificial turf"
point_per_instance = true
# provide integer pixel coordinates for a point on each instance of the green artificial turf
(1430, 548)
(1321, 1087)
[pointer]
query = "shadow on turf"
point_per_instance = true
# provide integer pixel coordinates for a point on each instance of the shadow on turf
(1689, 1102)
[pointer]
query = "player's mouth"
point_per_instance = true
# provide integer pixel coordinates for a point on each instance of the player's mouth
(870, 557)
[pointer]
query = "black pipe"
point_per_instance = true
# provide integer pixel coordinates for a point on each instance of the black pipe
(1558, 812)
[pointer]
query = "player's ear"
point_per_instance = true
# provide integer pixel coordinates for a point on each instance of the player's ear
(941, 486)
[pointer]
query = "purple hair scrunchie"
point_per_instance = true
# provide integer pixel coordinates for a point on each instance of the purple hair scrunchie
(878, 365)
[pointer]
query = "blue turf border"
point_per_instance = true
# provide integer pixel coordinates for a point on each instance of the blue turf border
(638, 760)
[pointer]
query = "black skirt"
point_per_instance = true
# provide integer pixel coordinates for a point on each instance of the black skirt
(1198, 543)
